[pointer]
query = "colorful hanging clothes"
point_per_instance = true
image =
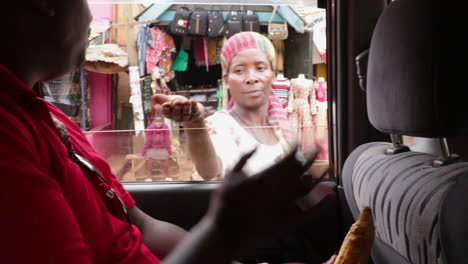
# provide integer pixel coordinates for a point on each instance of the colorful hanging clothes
(302, 107)
(281, 88)
(154, 54)
(321, 120)
(144, 41)
(213, 52)
(199, 54)
(165, 61)
(181, 61)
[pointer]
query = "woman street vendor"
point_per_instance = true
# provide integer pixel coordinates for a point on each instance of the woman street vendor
(255, 120)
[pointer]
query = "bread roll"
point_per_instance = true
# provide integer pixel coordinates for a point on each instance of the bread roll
(357, 244)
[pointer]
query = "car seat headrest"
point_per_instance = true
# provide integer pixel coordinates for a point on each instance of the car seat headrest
(417, 76)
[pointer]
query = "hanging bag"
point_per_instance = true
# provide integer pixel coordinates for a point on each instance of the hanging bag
(216, 25)
(180, 23)
(234, 23)
(251, 22)
(277, 30)
(198, 22)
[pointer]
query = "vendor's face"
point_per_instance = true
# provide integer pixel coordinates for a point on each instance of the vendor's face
(249, 78)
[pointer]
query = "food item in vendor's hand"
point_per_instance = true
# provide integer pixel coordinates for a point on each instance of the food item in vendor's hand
(357, 244)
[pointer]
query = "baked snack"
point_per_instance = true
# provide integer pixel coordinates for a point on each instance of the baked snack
(357, 244)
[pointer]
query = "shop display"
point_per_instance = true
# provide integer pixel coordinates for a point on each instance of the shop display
(302, 106)
(195, 67)
(198, 22)
(250, 22)
(234, 23)
(216, 25)
(277, 30)
(181, 61)
(180, 24)
(143, 41)
(282, 86)
(321, 119)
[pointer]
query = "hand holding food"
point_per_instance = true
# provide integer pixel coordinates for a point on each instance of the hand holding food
(179, 108)
(357, 244)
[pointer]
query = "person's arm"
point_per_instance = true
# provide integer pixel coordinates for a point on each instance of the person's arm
(240, 214)
(159, 236)
(202, 151)
(190, 113)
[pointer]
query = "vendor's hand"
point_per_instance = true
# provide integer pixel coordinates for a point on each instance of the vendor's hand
(179, 108)
(248, 210)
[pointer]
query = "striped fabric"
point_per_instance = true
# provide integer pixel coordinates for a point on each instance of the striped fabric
(406, 194)
(252, 40)
(281, 88)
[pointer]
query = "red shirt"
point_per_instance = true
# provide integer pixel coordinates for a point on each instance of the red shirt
(51, 212)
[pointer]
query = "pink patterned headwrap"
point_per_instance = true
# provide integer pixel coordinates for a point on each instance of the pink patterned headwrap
(252, 40)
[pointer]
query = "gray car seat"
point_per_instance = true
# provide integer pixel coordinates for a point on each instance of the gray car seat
(414, 87)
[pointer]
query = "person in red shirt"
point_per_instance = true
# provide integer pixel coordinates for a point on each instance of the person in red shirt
(61, 202)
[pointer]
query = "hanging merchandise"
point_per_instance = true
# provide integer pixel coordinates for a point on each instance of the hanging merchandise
(158, 84)
(165, 61)
(216, 25)
(205, 51)
(302, 106)
(251, 22)
(154, 54)
(277, 30)
(198, 22)
(321, 128)
(180, 23)
(144, 40)
(213, 52)
(186, 42)
(320, 39)
(198, 52)
(234, 23)
(278, 62)
(181, 61)
(281, 86)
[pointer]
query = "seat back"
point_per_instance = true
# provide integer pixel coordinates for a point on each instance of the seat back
(416, 196)
(408, 197)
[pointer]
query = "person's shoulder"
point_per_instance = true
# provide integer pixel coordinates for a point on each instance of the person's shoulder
(220, 121)
(221, 117)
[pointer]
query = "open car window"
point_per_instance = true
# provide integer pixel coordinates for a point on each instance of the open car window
(134, 54)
